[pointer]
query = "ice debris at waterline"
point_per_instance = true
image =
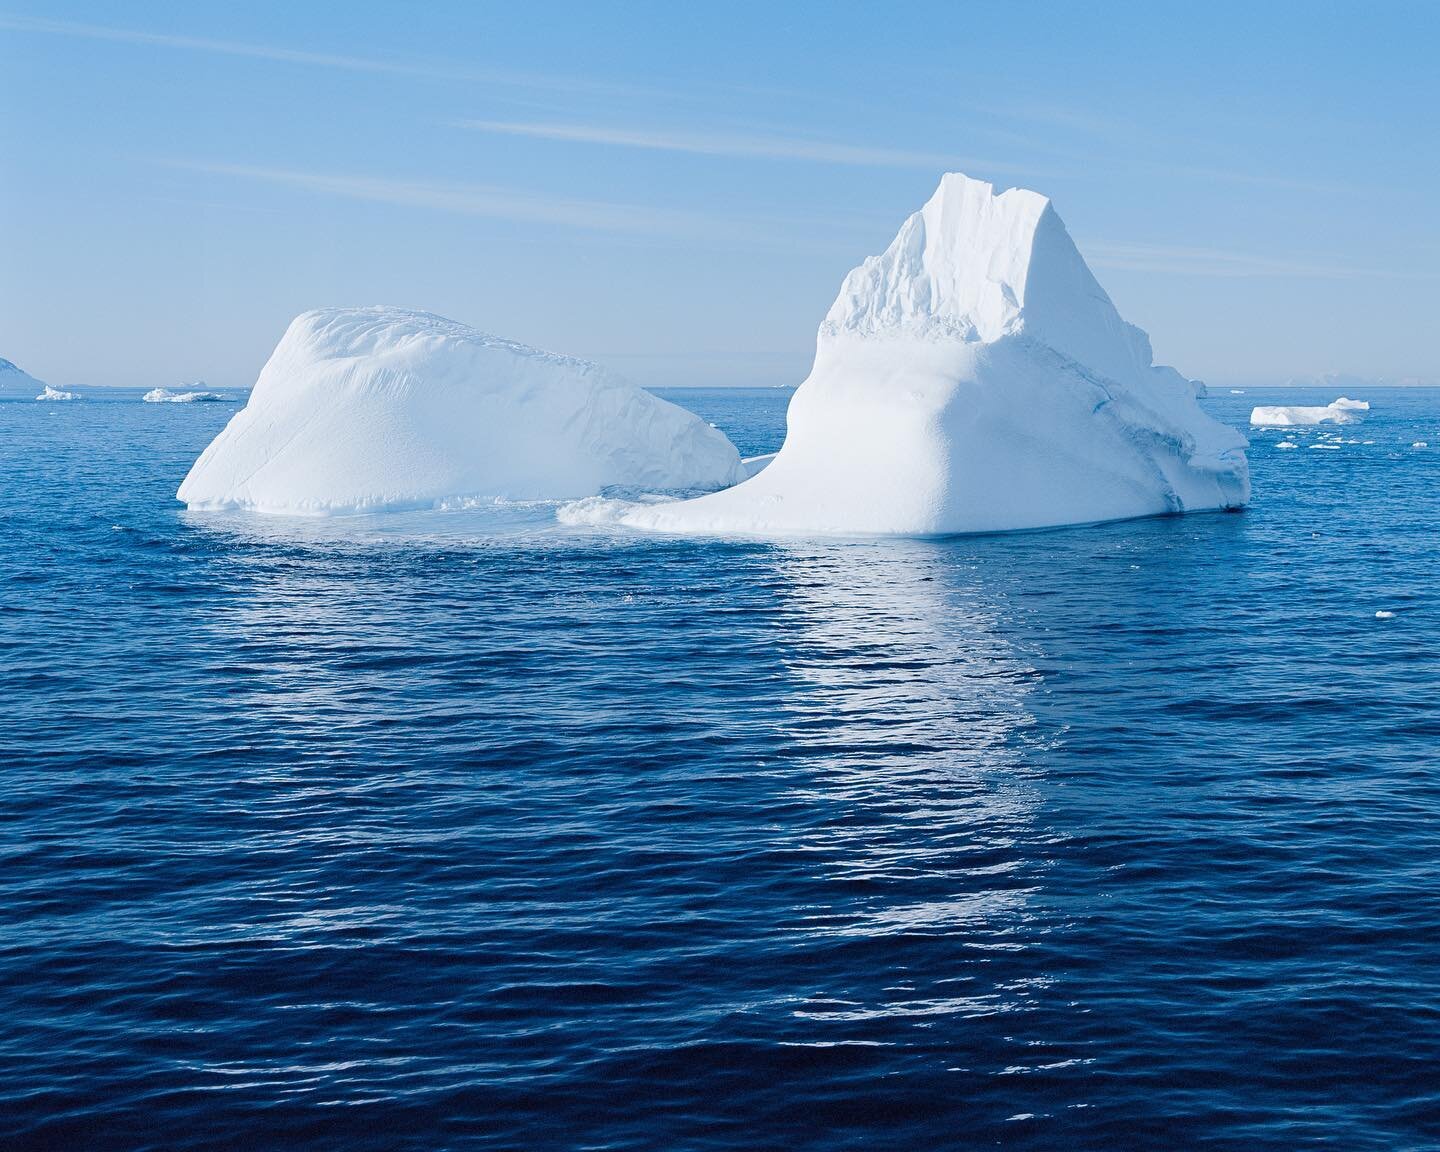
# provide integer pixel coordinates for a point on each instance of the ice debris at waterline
(1340, 411)
(167, 396)
(362, 409)
(50, 393)
(13, 376)
(974, 378)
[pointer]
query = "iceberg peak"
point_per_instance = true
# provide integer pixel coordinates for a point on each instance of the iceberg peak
(976, 266)
(975, 377)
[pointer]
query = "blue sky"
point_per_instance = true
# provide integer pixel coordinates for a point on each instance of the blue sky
(678, 190)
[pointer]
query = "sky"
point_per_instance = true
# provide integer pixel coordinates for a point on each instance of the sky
(677, 190)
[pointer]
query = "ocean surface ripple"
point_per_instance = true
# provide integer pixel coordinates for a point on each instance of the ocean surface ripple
(469, 830)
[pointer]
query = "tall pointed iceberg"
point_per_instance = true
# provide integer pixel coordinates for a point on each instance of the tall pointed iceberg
(975, 377)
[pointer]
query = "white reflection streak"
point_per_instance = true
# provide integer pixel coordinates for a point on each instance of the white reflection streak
(912, 724)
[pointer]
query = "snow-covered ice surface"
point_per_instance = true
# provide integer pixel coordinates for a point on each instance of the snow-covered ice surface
(49, 393)
(976, 378)
(367, 409)
(1339, 411)
(169, 396)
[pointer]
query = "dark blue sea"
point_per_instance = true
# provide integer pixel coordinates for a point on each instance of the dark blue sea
(458, 830)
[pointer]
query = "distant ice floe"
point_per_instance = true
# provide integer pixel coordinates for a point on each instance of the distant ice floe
(167, 396)
(1384, 615)
(1420, 444)
(1339, 411)
(55, 394)
(1287, 444)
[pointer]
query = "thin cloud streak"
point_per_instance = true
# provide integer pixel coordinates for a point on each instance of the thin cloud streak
(734, 145)
(481, 200)
(300, 57)
(1182, 261)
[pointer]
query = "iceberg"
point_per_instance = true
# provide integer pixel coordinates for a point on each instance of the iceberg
(1340, 411)
(49, 393)
(166, 396)
(976, 378)
(368, 409)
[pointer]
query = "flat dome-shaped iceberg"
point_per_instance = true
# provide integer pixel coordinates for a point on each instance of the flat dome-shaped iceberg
(1339, 411)
(366, 409)
(973, 378)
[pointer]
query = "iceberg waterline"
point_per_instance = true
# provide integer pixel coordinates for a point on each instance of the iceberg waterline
(975, 377)
(365, 409)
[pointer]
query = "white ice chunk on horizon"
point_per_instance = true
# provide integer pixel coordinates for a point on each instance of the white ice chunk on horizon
(167, 396)
(368, 409)
(50, 393)
(973, 378)
(1340, 411)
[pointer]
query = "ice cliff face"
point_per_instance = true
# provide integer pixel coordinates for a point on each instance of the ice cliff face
(975, 377)
(362, 409)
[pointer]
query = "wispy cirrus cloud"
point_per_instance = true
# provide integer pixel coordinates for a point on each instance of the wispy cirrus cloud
(1183, 261)
(636, 222)
(282, 54)
(744, 145)
(490, 201)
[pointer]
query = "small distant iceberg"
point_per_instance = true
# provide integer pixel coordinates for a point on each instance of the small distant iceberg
(55, 394)
(372, 409)
(167, 396)
(1340, 411)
